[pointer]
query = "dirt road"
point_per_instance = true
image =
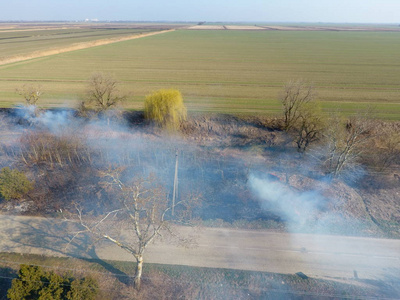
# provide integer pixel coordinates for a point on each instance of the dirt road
(315, 255)
(76, 46)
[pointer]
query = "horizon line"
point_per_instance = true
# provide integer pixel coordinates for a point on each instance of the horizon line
(94, 20)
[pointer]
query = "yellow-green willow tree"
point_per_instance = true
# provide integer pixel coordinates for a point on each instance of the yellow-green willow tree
(165, 108)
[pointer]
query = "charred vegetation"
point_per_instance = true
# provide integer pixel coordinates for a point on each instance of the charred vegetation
(63, 154)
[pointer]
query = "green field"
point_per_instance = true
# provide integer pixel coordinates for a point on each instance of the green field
(228, 71)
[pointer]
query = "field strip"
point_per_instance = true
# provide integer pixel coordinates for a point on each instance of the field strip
(13, 29)
(76, 46)
(291, 28)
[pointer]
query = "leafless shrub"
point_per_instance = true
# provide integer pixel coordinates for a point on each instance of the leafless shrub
(345, 143)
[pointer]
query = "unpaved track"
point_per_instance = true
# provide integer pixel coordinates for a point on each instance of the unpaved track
(76, 46)
(315, 255)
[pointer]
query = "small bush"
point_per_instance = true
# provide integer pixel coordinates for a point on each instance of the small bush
(165, 108)
(13, 184)
(35, 283)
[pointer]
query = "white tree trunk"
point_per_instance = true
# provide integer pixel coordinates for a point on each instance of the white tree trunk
(138, 275)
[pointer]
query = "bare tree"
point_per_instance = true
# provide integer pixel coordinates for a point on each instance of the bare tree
(143, 209)
(309, 126)
(31, 93)
(295, 95)
(345, 142)
(102, 92)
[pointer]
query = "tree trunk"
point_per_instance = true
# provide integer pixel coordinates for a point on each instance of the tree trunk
(138, 275)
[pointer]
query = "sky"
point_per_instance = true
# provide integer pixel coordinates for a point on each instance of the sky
(335, 11)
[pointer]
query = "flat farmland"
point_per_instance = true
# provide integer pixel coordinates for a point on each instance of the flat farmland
(226, 70)
(16, 42)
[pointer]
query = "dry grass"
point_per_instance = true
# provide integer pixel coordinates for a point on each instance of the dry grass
(181, 282)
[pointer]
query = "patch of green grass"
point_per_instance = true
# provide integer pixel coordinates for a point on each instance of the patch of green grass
(229, 71)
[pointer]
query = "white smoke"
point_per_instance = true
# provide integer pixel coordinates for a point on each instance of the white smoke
(54, 121)
(296, 208)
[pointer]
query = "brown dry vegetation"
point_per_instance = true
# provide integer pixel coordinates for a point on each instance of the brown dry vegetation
(217, 153)
(375, 195)
(223, 150)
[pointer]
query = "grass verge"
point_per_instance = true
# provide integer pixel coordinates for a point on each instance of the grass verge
(172, 281)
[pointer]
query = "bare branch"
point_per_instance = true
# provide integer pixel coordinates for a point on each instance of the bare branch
(295, 95)
(143, 206)
(345, 143)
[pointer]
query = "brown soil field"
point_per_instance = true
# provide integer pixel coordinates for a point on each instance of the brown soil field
(14, 29)
(207, 27)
